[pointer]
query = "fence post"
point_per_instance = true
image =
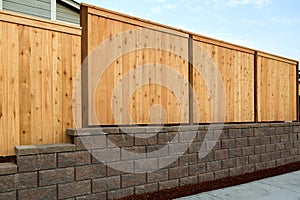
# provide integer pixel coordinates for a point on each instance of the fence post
(255, 87)
(297, 90)
(190, 72)
(84, 71)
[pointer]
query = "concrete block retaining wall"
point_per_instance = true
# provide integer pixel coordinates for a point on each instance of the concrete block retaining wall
(90, 168)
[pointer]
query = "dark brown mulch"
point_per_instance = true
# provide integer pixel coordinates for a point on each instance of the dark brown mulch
(10, 159)
(218, 184)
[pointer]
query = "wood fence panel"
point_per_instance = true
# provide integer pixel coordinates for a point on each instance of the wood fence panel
(39, 63)
(237, 72)
(143, 63)
(277, 92)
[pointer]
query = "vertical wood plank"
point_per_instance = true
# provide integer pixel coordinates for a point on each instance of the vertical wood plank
(57, 74)
(36, 86)
(25, 84)
(67, 85)
(3, 90)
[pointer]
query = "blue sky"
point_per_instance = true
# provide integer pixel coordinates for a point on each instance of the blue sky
(268, 25)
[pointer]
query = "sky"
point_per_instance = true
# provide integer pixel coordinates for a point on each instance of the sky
(272, 26)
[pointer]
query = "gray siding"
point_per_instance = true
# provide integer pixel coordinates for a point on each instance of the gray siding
(64, 13)
(38, 8)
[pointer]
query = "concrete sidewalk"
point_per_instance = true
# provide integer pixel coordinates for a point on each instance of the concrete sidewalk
(283, 187)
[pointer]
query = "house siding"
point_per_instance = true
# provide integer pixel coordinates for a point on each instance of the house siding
(64, 13)
(38, 8)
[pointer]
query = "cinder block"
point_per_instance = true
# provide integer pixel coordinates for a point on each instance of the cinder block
(8, 196)
(275, 139)
(49, 192)
(118, 168)
(159, 175)
(106, 155)
(235, 133)
(236, 171)
(228, 143)
(242, 161)
(196, 169)
(248, 168)
(36, 162)
(74, 189)
(128, 180)
(74, 159)
(242, 142)
(26, 180)
(169, 137)
(270, 147)
(214, 166)
(261, 131)
(260, 166)
(252, 141)
(260, 149)
(144, 140)
(120, 140)
(142, 189)
(97, 196)
(168, 161)
(52, 177)
(178, 172)
(247, 132)
(106, 184)
(221, 154)
(90, 171)
(248, 150)
(7, 183)
(56, 148)
(145, 165)
(266, 157)
(8, 168)
(90, 142)
(120, 193)
(188, 159)
(26, 150)
(235, 152)
(279, 130)
(254, 159)
(228, 163)
(156, 151)
(188, 180)
(168, 184)
(206, 177)
(296, 129)
(212, 145)
(133, 153)
(221, 174)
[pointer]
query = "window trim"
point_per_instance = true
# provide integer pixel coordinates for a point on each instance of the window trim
(53, 9)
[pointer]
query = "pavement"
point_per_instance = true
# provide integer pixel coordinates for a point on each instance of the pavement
(283, 187)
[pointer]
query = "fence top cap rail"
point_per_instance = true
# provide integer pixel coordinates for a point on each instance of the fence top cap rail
(276, 57)
(195, 36)
(12, 17)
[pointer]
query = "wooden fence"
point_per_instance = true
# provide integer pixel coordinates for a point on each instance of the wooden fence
(259, 87)
(39, 60)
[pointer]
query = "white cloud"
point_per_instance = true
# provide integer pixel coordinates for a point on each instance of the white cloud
(156, 10)
(259, 3)
(155, 1)
(169, 6)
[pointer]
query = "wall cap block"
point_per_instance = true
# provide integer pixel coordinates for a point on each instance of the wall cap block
(43, 149)
(8, 168)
